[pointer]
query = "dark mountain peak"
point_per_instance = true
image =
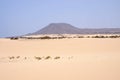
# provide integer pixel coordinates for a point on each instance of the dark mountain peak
(60, 25)
(58, 28)
(53, 24)
(65, 28)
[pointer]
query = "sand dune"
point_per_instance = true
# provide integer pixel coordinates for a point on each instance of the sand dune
(80, 59)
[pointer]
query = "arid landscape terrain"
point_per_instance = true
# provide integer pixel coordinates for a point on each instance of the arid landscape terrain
(59, 39)
(60, 59)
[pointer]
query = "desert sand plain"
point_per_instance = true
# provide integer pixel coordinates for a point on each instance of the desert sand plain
(79, 59)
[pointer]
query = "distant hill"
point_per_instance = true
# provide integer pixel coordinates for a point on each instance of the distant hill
(64, 28)
(58, 28)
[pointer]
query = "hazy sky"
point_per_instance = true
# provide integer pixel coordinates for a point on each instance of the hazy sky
(24, 16)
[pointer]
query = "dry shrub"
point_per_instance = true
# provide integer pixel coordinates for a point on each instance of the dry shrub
(12, 57)
(48, 57)
(57, 57)
(18, 57)
(14, 38)
(38, 58)
(46, 37)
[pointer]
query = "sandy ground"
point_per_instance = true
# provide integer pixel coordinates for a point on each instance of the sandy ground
(80, 59)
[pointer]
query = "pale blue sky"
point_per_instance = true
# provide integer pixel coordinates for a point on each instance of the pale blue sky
(19, 17)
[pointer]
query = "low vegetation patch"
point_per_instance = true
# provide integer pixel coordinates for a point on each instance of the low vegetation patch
(14, 38)
(112, 36)
(45, 37)
(63, 37)
(38, 58)
(48, 57)
(12, 57)
(18, 57)
(57, 57)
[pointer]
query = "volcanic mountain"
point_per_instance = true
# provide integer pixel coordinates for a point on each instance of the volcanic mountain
(58, 28)
(64, 28)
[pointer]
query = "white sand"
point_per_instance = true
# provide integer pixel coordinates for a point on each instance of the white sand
(80, 59)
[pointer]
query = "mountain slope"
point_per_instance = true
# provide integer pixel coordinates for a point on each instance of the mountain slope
(58, 28)
(64, 28)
